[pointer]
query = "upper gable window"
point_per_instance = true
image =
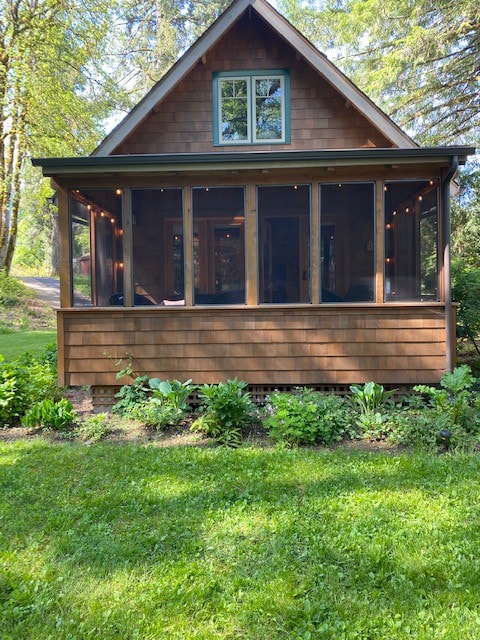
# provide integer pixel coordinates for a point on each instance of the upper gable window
(251, 107)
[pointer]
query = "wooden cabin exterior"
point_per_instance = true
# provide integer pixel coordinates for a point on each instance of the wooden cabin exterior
(256, 216)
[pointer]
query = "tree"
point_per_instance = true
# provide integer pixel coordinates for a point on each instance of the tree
(466, 220)
(66, 66)
(149, 36)
(48, 105)
(419, 59)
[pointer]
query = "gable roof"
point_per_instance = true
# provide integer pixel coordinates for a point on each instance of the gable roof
(288, 32)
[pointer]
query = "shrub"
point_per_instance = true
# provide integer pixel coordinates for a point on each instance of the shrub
(24, 382)
(154, 413)
(466, 291)
(51, 414)
(11, 290)
(226, 408)
(94, 428)
(457, 399)
(447, 416)
(131, 396)
(171, 392)
(306, 417)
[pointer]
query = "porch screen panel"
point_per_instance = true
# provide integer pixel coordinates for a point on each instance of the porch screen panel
(284, 243)
(411, 241)
(96, 246)
(157, 239)
(347, 232)
(219, 245)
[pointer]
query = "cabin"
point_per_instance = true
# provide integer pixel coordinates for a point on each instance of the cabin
(256, 215)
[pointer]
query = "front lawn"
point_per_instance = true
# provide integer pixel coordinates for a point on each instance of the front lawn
(12, 345)
(129, 541)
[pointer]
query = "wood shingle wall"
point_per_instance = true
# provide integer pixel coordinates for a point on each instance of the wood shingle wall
(311, 345)
(320, 118)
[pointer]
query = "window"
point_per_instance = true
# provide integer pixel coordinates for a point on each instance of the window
(218, 245)
(157, 240)
(284, 243)
(347, 217)
(411, 241)
(97, 247)
(251, 107)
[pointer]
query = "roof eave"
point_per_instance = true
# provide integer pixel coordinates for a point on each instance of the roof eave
(188, 163)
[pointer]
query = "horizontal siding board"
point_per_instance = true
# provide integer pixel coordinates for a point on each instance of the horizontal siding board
(263, 345)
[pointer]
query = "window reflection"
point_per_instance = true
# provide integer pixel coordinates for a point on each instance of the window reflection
(97, 246)
(219, 245)
(157, 238)
(284, 244)
(411, 241)
(347, 215)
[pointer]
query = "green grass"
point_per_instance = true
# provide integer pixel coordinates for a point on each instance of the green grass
(14, 344)
(129, 541)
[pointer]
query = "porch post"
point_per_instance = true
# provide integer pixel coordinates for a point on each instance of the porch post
(447, 285)
(65, 249)
(379, 241)
(251, 246)
(128, 286)
(315, 258)
(188, 244)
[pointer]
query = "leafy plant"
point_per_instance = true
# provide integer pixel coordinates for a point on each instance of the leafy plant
(51, 414)
(24, 382)
(131, 396)
(371, 397)
(95, 427)
(306, 417)
(155, 413)
(171, 392)
(226, 408)
(456, 399)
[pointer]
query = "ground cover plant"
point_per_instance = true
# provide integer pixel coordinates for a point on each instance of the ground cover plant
(25, 382)
(193, 542)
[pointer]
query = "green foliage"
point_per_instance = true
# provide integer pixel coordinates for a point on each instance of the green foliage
(23, 382)
(466, 220)
(226, 408)
(166, 404)
(171, 392)
(153, 401)
(466, 292)
(210, 426)
(371, 397)
(12, 290)
(404, 53)
(157, 413)
(131, 396)
(306, 417)
(457, 400)
(95, 427)
(57, 415)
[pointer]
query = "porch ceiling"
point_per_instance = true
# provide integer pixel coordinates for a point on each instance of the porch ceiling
(188, 162)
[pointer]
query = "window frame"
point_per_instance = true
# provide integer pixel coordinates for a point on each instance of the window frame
(251, 76)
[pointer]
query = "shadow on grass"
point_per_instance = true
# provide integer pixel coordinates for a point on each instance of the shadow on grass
(247, 543)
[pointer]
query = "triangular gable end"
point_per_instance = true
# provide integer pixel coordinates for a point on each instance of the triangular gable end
(304, 49)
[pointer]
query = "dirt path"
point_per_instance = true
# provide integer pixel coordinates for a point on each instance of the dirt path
(46, 289)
